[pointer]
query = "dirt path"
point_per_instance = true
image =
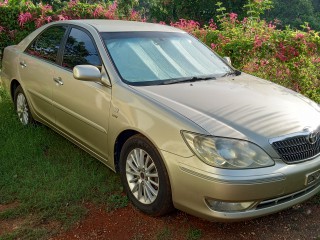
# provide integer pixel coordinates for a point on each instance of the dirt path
(300, 222)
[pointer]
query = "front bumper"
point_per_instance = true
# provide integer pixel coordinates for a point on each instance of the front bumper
(272, 189)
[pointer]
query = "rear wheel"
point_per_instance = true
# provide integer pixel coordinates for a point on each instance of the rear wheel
(22, 107)
(144, 177)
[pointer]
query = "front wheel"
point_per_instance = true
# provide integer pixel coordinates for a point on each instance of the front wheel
(144, 177)
(22, 107)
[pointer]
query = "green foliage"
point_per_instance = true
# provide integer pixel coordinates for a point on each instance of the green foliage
(173, 10)
(288, 57)
(164, 234)
(256, 8)
(8, 20)
(27, 232)
(116, 201)
(221, 12)
(19, 18)
(194, 234)
(295, 13)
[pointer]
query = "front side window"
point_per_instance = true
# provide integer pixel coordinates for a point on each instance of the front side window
(80, 50)
(149, 58)
(46, 46)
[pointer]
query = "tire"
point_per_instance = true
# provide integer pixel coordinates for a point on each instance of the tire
(22, 107)
(147, 185)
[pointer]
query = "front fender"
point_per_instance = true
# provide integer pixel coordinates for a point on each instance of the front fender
(131, 110)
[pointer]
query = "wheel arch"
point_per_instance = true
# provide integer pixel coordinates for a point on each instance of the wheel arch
(120, 140)
(13, 86)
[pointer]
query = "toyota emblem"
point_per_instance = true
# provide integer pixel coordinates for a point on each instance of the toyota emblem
(313, 137)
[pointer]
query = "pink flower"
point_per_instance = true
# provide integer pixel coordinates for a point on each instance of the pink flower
(98, 11)
(186, 25)
(61, 17)
(2, 29)
(162, 23)
(288, 71)
(281, 57)
(5, 3)
(23, 18)
(245, 20)
(257, 42)
(316, 60)
(113, 6)
(39, 22)
(49, 19)
(110, 14)
(46, 8)
(72, 3)
(299, 36)
(264, 62)
(213, 46)
(233, 17)
(212, 25)
(133, 15)
(271, 25)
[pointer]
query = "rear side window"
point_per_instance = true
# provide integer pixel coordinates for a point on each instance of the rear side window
(46, 46)
(80, 49)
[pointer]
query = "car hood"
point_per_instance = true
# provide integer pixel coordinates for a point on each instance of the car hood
(244, 107)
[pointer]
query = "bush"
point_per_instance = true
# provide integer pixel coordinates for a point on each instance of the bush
(19, 18)
(287, 57)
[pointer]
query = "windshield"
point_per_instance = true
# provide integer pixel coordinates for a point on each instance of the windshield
(150, 58)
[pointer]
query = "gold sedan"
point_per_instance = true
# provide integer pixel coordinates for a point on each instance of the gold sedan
(182, 127)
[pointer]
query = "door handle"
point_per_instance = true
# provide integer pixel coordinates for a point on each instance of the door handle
(58, 80)
(23, 64)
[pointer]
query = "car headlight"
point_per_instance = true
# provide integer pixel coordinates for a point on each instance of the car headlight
(227, 153)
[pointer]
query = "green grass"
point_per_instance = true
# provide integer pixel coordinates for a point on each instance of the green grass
(194, 234)
(47, 175)
(164, 234)
(116, 201)
(27, 233)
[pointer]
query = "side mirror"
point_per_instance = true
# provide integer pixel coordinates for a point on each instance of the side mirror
(227, 60)
(87, 73)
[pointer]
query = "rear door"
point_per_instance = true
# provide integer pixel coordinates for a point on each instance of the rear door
(38, 64)
(82, 108)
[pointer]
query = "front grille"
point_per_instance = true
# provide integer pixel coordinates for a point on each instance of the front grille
(297, 148)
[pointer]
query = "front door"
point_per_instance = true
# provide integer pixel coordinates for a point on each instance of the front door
(82, 108)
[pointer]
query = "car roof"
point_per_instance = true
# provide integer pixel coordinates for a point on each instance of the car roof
(123, 26)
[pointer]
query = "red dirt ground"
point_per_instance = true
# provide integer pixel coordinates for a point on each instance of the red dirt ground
(299, 222)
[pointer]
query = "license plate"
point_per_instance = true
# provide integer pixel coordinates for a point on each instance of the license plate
(312, 178)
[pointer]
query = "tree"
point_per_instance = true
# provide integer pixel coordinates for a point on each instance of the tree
(295, 13)
(200, 10)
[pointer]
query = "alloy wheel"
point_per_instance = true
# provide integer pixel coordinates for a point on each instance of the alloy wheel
(142, 176)
(22, 109)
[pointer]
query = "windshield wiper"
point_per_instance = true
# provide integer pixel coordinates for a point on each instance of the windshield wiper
(233, 72)
(188, 79)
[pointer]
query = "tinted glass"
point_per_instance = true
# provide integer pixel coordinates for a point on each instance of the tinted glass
(80, 50)
(145, 58)
(46, 46)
